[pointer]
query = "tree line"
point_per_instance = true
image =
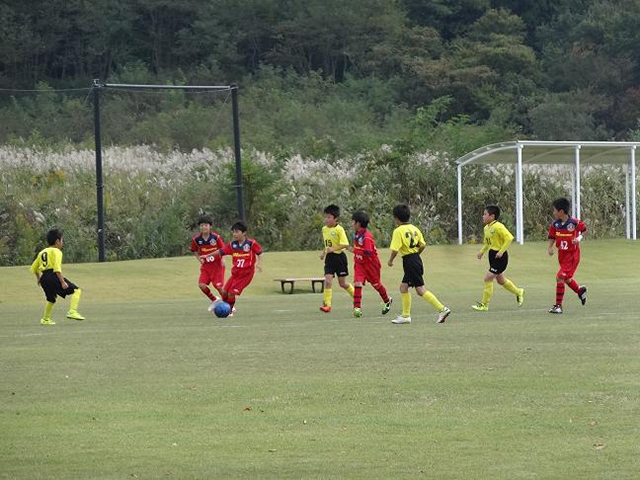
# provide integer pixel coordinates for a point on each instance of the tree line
(554, 70)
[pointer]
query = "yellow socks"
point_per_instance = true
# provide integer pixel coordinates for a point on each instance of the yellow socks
(511, 287)
(406, 304)
(48, 308)
(326, 297)
(328, 293)
(433, 301)
(428, 296)
(75, 300)
(487, 292)
(350, 290)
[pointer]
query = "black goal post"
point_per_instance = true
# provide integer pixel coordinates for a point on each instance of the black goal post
(98, 87)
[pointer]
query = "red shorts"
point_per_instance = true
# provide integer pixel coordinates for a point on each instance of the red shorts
(239, 280)
(367, 272)
(212, 273)
(568, 266)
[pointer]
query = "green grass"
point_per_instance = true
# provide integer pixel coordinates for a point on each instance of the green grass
(152, 386)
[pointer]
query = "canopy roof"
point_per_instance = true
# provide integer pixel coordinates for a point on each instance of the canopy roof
(540, 152)
(573, 153)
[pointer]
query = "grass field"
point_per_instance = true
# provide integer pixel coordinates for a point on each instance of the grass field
(151, 385)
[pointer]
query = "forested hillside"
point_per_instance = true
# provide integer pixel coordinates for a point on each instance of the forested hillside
(320, 76)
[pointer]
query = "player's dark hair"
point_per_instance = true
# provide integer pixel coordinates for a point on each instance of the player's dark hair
(562, 204)
(493, 210)
(53, 235)
(205, 219)
(360, 217)
(402, 212)
(240, 225)
(332, 210)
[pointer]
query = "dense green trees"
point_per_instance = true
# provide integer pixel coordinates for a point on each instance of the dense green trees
(317, 75)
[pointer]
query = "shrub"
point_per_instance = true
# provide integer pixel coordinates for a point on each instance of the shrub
(152, 199)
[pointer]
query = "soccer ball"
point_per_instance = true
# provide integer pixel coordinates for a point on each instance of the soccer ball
(222, 309)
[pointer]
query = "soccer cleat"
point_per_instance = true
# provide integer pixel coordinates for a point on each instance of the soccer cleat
(357, 312)
(387, 306)
(325, 309)
(520, 297)
(212, 307)
(583, 294)
(74, 315)
(233, 310)
(481, 307)
(444, 313)
(556, 309)
(400, 320)
(47, 321)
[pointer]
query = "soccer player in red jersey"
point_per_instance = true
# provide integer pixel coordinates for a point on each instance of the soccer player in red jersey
(566, 233)
(246, 256)
(366, 264)
(203, 246)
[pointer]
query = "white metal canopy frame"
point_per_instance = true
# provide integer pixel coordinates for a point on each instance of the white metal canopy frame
(555, 153)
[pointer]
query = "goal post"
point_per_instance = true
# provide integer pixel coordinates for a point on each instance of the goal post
(97, 89)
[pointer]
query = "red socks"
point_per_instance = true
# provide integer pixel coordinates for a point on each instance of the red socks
(208, 293)
(559, 292)
(382, 291)
(357, 296)
(573, 285)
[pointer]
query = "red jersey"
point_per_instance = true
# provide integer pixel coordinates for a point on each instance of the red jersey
(207, 246)
(364, 248)
(564, 233)
(243, 255)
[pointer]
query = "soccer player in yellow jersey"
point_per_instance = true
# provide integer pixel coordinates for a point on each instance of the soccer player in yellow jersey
(335, 262)
(496, 241)
(407, 240)
(47, 268)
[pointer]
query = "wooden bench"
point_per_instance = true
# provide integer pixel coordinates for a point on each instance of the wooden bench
(292, 280)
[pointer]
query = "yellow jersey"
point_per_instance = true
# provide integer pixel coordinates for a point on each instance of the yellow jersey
(407, 239)
(49, 258)
(333, 236)
(496, 237)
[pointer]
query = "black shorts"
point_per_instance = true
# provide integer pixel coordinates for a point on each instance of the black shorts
(498, 265)
(413, 270)
(336, 264)
(50, 283)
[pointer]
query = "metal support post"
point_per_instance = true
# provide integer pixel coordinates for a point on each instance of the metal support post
(236, 149)
(577, 209)
(99, 183)
(459, 204)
